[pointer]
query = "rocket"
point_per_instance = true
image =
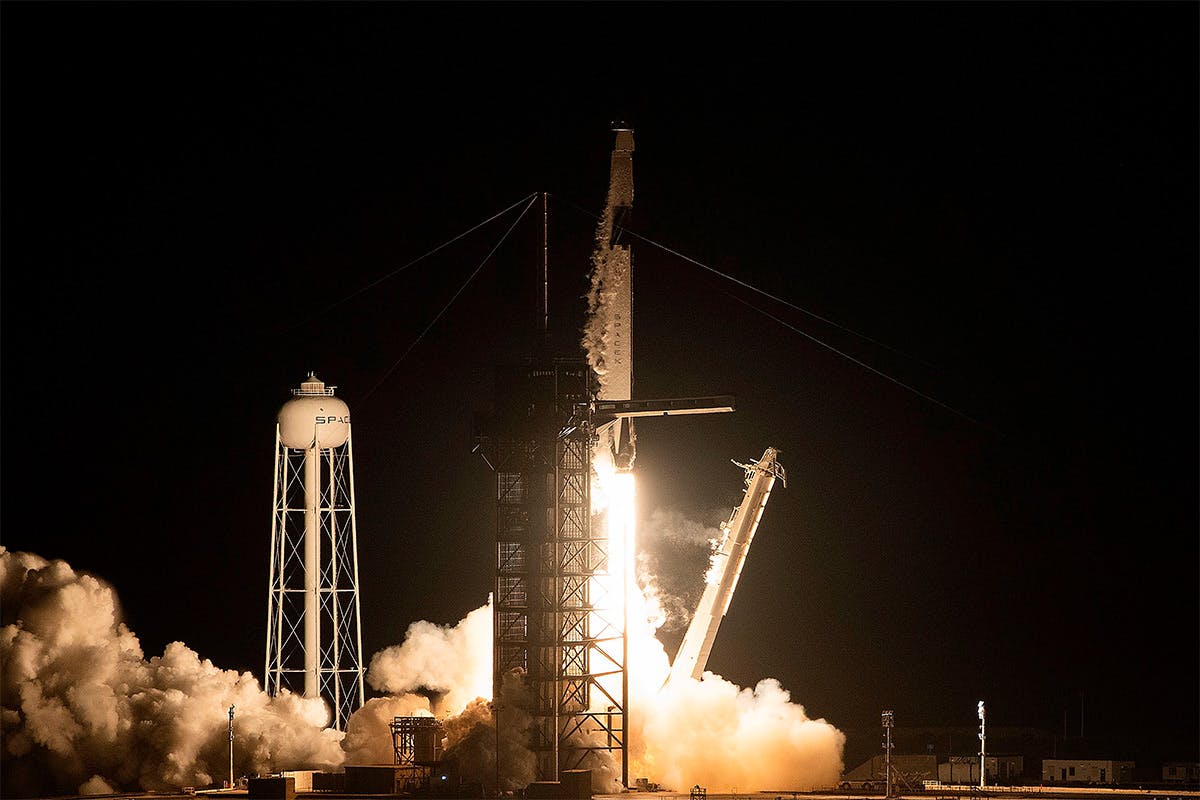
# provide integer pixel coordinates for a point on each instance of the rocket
(618, 384)
(612, 295)
(728, 558)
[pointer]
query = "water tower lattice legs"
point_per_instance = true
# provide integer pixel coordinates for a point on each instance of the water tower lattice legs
(314, 639)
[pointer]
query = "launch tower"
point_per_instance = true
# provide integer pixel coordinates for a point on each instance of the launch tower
(562, 587)
(559, 648)
(549, 624)
(314, 636)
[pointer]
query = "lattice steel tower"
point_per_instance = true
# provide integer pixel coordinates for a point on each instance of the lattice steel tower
(553, 626)
(314, 635)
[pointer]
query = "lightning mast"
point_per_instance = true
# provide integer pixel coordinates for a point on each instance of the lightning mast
(982, 745)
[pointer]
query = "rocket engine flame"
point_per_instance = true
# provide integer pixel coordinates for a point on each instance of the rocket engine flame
(708, 731)
(614, 506)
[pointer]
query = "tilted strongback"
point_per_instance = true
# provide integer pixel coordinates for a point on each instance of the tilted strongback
(725, 566)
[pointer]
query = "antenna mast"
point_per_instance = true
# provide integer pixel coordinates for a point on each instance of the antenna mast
(545, 267)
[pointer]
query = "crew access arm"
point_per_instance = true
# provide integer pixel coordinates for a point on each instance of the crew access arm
(726, 566)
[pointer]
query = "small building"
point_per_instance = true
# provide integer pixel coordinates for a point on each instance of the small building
(1187, 772)
(964, 770)
(374, 778)
(1098, 772)
(302, 777)
(275, 787)
(576, 784)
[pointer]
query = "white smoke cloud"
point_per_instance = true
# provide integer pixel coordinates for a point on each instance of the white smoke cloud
(455, 662)
(597, 328)
(471, 739)
(672, 549)
(610, 268)
(96, 785)
(672, 527)
(368, 733)
(715, 733)
(446, 670)
(729, 739)
(84, 711)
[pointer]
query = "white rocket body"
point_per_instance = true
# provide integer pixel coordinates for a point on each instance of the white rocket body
(618, 291)
(613, 298)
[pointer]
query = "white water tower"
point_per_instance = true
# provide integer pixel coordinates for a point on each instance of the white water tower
(314, 634)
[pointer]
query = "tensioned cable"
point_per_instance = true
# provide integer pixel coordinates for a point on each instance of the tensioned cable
(848, 357)
(415, 261)
(831, 348)
(532, 199)
(780, 300)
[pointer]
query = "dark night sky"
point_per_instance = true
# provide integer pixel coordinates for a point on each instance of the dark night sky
(1005, 191)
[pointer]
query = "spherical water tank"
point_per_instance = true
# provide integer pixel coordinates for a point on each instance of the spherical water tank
(314, 415)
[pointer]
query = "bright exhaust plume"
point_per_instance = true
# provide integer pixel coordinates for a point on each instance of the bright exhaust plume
(85, 711)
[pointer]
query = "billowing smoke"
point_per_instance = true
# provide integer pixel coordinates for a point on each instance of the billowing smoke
(436, 671)
(672, 550)
(607, 335)
(446, 671)
(368, 735)
(454, 664)
(471, 740)
(729, 739)
(719, 735)
(84, 711)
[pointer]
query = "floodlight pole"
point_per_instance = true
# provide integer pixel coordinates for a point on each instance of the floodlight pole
(231, 784)
(888, 720)
(982, 746)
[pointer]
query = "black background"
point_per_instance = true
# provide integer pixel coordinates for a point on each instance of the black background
(1005, 191)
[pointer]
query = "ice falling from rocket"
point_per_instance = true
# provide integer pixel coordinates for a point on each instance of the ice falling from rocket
(607, 335)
